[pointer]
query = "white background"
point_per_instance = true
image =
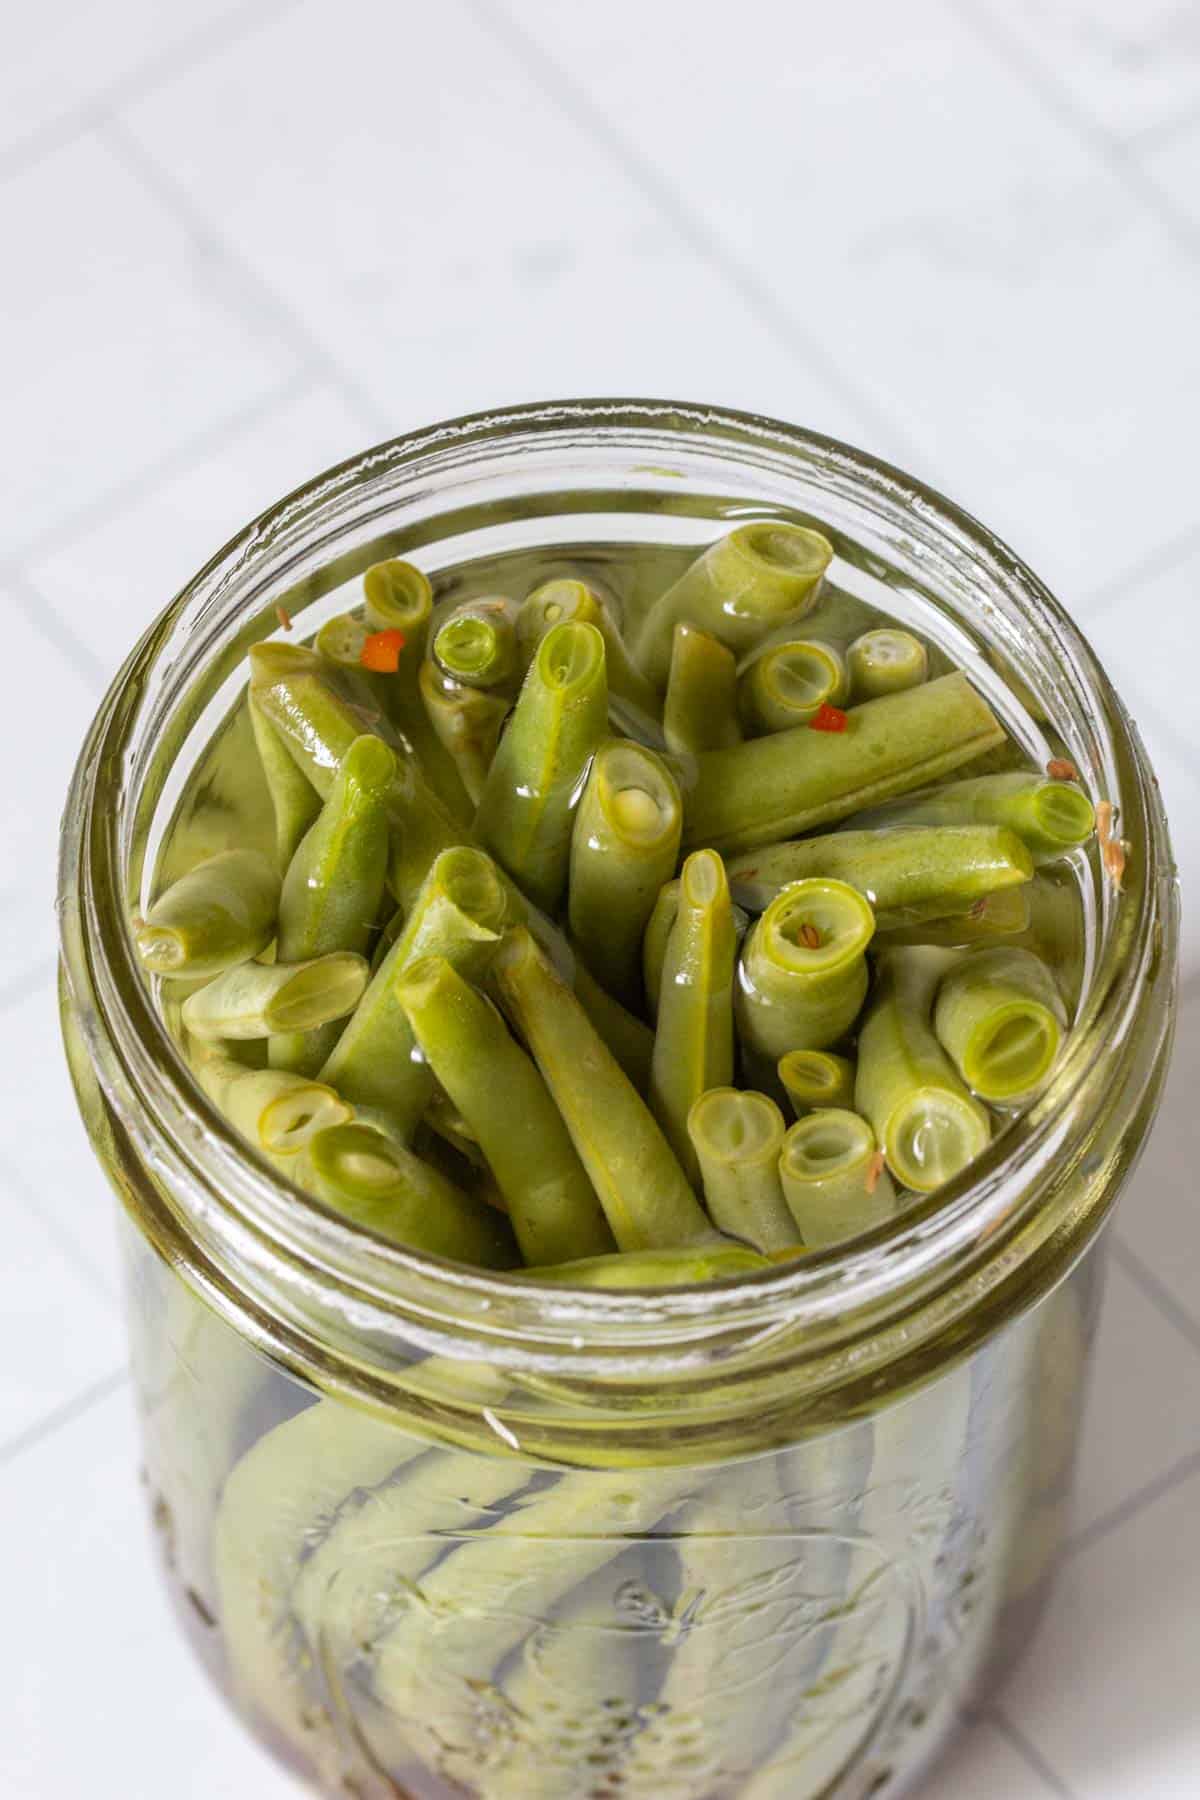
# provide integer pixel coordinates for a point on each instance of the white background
(238, 242)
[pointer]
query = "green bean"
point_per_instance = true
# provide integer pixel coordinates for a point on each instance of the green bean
(803, 974)
(459, 913)
(420, 832)
(398, 597)
(1051, 817)
(831, 1177)
(791, 781)
(295, 803)
(816, 1078)
(256, 1000)
(278, 1112)
(655, 1268)
(787, 686)
(219, 914)
(737, 1137)
(628, 1038)
(905, 872)
(885, 661)
(741, 587)
(335, 882)
(632, 698)
(1057, 930)
(537, 773)
(443, 1119)
(475, 643)
(1000, 1018)
(358, 1172)
(700, 710)
(693, 1039)
(657, 934)
(926, 1122)
(644, 1192)
(624, 845)
(467, 721)
(506, 1103)
(1004, 913)
(396, 697)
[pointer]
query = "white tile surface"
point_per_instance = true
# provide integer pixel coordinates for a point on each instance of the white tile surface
(104, 1697)
(139, 555)
(44, 1154)
(1128, 69)
(110, 45)
(476, 245)
(42, 723)
(130, 339)
(45, 1363)
(916, 205)
(879, 223)
(1108, 1693)
(1130, 1439)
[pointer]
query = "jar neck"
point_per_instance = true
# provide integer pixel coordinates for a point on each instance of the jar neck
(361, 1317)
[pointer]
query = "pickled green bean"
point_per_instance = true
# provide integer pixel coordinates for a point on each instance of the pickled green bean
(701, 708)
(257, 1000)
(398, 597)
(628, 1038)
(1051, 817)
(459, 913)
(777, 786)
(508, 1108)
(885, 661)
(644, 1192)
(295, 802)
(533, 785)
(693, 1039)
(633, 700)
(475, 643)
(787, 686)
(1006, 912)
(906, 871)
(832, 1181)
(358, 1172)
(741, 587)
(1000, 1018)
(280, 1113)
(927, 1123)
(816, 1078)
(655, 1268)
(803, 974)
(219, 914)
(737, 1136)
(624, 846)
(467, 721)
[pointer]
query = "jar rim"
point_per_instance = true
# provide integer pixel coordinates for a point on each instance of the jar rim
(938, 1241)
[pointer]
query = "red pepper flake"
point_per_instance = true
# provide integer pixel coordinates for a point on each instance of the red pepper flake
(284, 617)
(1104, 821)
(1114, 862)
(1061, 768)
(827, 718)
(381, 651)
(874, 1171)
(978, 908)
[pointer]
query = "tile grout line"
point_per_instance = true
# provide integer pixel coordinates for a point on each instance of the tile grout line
(52, 1422)
(1112, 152)
(176, 461)
(1011, 1731)
(575, 101)
(270, 308)
(1156, 1291)
(1180, 1472)
(47, 623)
(1099, 602)
(44, 140)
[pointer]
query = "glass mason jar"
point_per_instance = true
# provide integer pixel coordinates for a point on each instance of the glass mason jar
(441, 1532)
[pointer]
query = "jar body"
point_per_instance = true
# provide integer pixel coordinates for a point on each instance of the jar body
(394, 1616)
(439, 1533)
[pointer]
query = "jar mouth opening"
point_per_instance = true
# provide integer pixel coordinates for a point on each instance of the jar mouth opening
(153, 1090)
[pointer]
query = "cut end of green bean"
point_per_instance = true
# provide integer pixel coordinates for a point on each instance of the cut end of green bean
(327, 988)
(932, 1136)
(815, 926)
(637, 793)
(1013, 1052)
(470, 880)
(787, 685)
(218, 915)
(369, 766)
(553, 603)
(827, 1142)
(570, 656)
(1001, 1018)
(294, 1118)
(161, 948)
(396, 596)
(885, 661)
(1064, 814)
(275, 661)
(816, 1078)
(357, 1157)
(736, 1127)
(792, 550)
